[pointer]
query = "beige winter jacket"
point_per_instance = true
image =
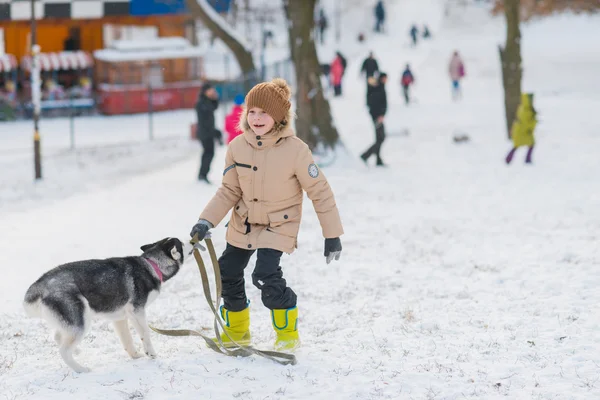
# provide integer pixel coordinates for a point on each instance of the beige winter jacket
(263, 182)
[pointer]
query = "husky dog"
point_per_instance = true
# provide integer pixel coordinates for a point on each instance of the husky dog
(69, 296)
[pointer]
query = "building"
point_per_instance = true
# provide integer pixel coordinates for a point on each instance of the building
(88, 25)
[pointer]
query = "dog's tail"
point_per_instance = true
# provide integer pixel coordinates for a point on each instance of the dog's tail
(32, 302)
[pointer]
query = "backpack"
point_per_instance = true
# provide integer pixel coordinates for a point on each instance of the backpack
(407, 78)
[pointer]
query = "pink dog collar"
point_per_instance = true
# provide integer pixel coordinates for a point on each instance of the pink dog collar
(156, 269)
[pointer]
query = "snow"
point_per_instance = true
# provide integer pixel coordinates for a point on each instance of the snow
(460, 277)
(158, 43)
(159, 48)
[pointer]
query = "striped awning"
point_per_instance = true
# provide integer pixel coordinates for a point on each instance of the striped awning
(8, 62)
(61, 60)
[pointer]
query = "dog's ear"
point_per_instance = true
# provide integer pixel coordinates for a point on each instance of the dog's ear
(146, 247)
(176, 253)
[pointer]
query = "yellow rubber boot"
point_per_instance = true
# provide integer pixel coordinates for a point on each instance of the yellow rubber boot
(285, 323)
(237, 325)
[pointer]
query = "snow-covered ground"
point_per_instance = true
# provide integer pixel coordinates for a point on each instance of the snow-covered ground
(460, 277)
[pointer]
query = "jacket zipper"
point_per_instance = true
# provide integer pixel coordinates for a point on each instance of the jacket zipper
(263, 181)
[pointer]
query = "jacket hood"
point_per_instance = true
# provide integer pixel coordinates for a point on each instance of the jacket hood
(280, 130)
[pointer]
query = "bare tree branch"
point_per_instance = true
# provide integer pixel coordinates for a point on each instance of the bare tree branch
(219, 27)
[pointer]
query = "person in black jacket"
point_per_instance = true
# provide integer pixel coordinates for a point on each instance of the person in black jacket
(206, 133)
(379, 16)
(369, 66)
(377, 102)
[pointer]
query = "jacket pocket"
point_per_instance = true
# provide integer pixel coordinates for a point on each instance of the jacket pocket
(285, 222)
(278, 218)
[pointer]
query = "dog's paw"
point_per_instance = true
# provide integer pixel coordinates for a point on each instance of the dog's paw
(135, 354)
(151, 353)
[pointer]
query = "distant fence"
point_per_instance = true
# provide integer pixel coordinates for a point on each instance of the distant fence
(150, 100)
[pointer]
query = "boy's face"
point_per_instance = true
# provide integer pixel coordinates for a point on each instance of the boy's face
(211, 93)
(260, 122)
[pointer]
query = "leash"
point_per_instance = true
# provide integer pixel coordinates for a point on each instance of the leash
(237, 350)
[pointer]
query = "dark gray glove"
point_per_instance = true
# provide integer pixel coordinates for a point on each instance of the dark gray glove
(201, 229)
(333, 249)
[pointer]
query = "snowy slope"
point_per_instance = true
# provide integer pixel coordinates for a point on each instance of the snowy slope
(460, 277)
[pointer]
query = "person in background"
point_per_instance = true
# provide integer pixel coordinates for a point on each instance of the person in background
(8, 102)
(522, 128)
(206, 132)
(414, 34)
(456, 69)
(321, 25)
(336, 72)
(379, 16)
(377, 102)
(232, 120)
(426, 32)
(407, 80)
(369, 66)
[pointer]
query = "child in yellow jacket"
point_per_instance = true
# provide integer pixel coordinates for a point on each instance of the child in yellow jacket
(523, 127)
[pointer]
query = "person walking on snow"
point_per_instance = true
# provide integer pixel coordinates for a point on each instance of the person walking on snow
(336, 71)
(377, 102)
(267, 168)
(379, 16)
(522, 128)
(369, 66)
(407, 80)
(321, 25)
(456, 69)
(206, 133)
(232, 120)
(414, 34)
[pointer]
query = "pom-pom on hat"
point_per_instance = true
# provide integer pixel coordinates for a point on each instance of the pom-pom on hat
(273, 97)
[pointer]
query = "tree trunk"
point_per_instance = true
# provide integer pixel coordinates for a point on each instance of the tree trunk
(510, 58)
(314, 123)
(200, 9)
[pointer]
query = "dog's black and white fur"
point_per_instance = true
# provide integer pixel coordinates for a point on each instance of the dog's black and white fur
(69, 296)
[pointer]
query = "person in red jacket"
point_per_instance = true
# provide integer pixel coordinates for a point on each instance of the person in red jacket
(407, 80)
(336, 72)
(233, 118)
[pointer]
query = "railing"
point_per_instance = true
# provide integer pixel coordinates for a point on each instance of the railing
(167, 97)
